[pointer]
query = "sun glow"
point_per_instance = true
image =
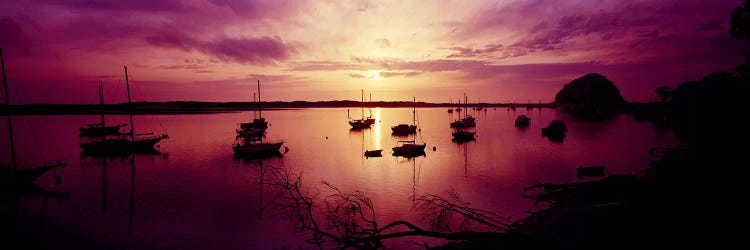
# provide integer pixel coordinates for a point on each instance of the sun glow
(374, 74)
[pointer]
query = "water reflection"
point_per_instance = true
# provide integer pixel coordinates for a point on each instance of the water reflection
(199, 184)
(102, 163)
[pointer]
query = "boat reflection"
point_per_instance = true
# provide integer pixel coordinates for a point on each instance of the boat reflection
(105, 162)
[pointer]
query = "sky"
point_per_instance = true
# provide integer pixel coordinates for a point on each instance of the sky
(58, 51)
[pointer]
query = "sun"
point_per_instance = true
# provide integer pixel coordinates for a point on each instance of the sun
(374, 74)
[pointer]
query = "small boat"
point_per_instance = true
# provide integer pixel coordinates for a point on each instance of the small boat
(463, 135)
(12, 179)
(406, 128)
(359, 124)
(137, 143)
(374, 153)
(363, 122)
(249, 131)
(523, 121)
(15, 177)
(255, 147)
(100, 128)
(592, 171)
(130, 143)
(410, 147)
(370, 120)
(467, 121)
(556, 130)
(259, 123)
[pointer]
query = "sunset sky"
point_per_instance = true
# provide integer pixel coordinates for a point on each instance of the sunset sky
(56, 51)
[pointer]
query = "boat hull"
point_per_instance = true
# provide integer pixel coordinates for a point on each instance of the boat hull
(359, 124)
(374, 153)
(404, 129)
(463, 136)
(99, 131)
(14, 177)
(264, 148)
(121, 146)
(251, 132)
(409, 149)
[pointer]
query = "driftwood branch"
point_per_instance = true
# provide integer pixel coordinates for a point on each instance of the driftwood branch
(351, 217)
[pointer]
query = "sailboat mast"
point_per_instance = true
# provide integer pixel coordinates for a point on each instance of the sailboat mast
(466, 105)
(362, 103)
(10, 122)
(414, 112)
(130, 105)
(255, 112)
(260, 112)
(369, 105)
(101, 103)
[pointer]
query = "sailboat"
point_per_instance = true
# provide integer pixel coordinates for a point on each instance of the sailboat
(18, 180)
(259, 123)
(462, 133)
(370, 120)
(100, 129)
(251, 146)
(406, 128)
(361, 123)
(466, 122)
(128, 144)
(410, 147)
(255, 147)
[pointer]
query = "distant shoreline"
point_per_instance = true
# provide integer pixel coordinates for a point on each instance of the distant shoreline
(191, 107)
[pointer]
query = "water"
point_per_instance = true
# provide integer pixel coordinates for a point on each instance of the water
(195, 195)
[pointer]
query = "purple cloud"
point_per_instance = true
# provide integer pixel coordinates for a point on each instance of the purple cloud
(115, 5)
(13, 35)
(256, 50)
(469, 52)
(323, 66)
(385, 74)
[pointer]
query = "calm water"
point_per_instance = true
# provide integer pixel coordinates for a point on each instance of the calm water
(195, 195)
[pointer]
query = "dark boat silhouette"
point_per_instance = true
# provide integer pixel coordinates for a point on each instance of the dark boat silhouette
(462, 132)
(410, 147)
(374, 153)
(523, 121)
(407, 128)
(555, 131)
(100, 128)
(361, 123)
(124, 144)
(259, 124)
(12, 178)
